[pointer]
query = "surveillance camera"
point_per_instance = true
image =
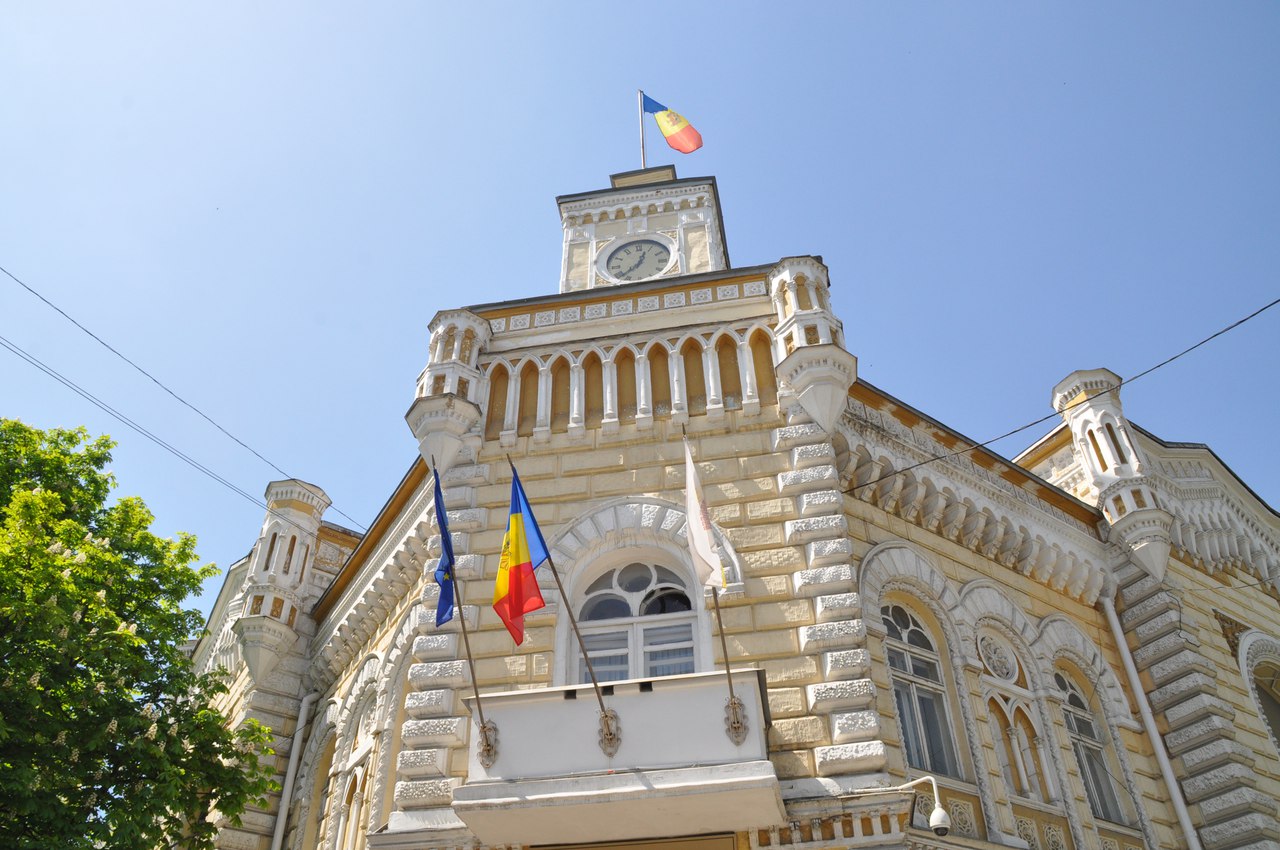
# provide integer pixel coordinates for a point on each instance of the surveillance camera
(940, 822)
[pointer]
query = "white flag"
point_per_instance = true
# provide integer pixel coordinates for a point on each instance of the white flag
(702, 545)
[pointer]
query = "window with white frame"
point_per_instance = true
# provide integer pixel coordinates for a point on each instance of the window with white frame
(1266, 689)
(919, 693)
(1010, 715)
(1088, 743)
(637, 622)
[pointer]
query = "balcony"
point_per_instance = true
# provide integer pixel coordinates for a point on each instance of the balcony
(676, 771)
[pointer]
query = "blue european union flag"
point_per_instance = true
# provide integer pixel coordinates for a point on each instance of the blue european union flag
(444, 571)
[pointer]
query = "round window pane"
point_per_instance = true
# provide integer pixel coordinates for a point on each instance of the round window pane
(606, 608)
(901, 618)
(635, 577)
(666, 600)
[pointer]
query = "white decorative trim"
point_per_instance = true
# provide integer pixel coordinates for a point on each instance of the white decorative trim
(1257, 648)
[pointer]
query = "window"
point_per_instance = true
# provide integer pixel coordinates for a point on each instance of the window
(1010, 716)
(1266, 685)
(637, 622)
(919, 693)
(1087, 743)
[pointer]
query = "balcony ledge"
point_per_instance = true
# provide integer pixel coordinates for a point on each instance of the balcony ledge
(623, 805)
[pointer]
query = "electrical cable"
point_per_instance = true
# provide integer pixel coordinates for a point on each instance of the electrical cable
(120, 417)
(160, 384)
(1076, 403)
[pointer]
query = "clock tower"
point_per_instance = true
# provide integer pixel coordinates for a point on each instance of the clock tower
(648, 225)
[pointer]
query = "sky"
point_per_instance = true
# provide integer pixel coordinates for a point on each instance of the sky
(264, 204)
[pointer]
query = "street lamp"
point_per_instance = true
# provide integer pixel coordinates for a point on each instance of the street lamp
(939, 820)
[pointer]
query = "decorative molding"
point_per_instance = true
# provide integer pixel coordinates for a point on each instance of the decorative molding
(1232, 630)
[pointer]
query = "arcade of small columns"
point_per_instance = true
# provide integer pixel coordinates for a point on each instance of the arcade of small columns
(637, 380)
(570, 391)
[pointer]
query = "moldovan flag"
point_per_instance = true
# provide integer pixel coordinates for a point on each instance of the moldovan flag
(678, 132)
(516, 593)
(702, 545)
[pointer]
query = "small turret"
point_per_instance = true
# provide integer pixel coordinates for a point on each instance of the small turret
(1089, 402)
(447, 406)
(812, 360)
(281, 586)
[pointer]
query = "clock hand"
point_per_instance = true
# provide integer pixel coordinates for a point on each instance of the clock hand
(637, 263)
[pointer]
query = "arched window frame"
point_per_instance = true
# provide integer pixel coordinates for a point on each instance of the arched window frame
(1006, 682)
(1089, 740)
(657, 553)
(1259, 653)
(923, 688)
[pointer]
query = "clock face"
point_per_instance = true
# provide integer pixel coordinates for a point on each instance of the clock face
(638, 260)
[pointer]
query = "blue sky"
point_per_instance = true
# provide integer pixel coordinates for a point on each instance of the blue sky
(265, 204)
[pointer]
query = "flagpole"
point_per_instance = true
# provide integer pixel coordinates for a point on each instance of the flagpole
(610, 734)
(640, 109)
(488, 731)
(735, 722)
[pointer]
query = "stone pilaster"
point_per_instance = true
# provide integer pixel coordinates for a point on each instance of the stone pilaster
(1216, 772)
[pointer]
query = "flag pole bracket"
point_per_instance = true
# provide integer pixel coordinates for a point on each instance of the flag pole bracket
(610, 732)
(735, 720)
(488, 750)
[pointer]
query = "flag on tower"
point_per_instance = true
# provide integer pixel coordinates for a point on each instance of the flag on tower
(702, 544)
(444, 570)
(516, 593)
(678, 132)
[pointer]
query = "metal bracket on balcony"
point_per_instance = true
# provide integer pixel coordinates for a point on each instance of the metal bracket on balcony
(735, 720)
(488, 744)
(610, 732)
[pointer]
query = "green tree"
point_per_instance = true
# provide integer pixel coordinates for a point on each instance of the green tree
(108, 737)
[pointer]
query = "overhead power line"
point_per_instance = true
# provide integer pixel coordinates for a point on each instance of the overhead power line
(160, 384)
(125, 420)
(1056, 414)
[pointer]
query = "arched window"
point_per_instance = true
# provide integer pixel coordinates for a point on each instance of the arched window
(660, 381)
(1088, 741)
(1097, 451)
(919, 693)
(624, 369)
(637, 622)
(271, 552)
(495, 415)
(762, 363)
(1266, 685)
(1013, 731)
(560, 396)
(593, 390)
(1115, 444)
(695, 384)
(730, 378)
(528, 400)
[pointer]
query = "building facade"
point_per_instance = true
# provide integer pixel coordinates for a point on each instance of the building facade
(1080, 647)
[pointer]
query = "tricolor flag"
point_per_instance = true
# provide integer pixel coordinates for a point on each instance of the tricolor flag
(702, 544)
(516, 593)
(678, 132)
(444, 571)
